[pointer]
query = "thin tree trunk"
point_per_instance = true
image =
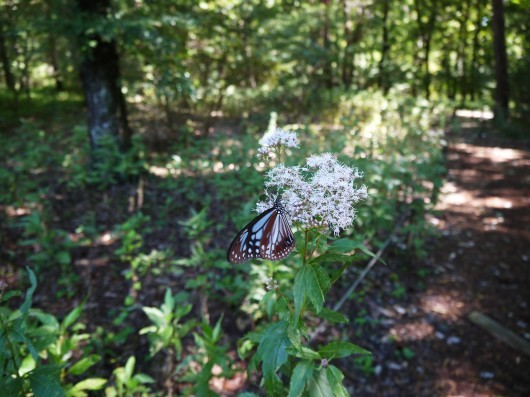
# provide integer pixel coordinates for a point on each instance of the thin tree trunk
(100, 77)
(327, 68)
(6, 64)
(52, 52)
(382, 77)
(501, 63)
(351, 36)
(473, 72)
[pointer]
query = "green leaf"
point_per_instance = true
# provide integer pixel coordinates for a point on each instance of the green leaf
(333, 317)
(169, 301)
(323, 281)
(309, 284)
(84, 364)
(8, 295)
(306, 353)
(11, 386)
(143, 378)
(301, 374)
(335, 378)
(272, 352)
(45, 381)
(346, 245)
(71, 317)
(90, 384)
(333, 257)
(29, 293)
(129, 368)
(339, 349)
(318, 385)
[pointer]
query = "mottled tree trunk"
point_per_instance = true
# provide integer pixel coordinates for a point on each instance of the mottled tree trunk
(100, 75)
(501, 62)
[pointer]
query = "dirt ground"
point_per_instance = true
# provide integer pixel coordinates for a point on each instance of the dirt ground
(422, 339)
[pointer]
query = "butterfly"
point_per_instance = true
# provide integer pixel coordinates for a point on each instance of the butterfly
(268, 236)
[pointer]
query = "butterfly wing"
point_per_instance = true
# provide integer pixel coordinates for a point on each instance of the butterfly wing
(246, 245)
(278, 240)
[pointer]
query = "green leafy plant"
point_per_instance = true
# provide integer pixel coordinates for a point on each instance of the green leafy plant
(36, 350)
(129, 384)
(210, 352)
(167, 329)
(318, 197)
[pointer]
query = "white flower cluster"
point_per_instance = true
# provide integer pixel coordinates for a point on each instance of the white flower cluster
(278, 137)
(320, 194)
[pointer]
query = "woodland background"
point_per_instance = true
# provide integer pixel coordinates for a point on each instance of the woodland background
(129, 132)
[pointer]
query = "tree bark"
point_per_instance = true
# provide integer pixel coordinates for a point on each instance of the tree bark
(501, 63)
(385, 48)
(100, 75)
(6, 64)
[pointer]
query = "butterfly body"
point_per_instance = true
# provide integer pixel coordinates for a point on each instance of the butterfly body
(268, 236)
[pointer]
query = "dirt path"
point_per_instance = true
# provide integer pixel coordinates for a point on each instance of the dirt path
(481, 262)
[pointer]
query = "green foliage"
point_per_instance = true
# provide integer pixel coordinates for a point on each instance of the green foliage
(167, 330)
(210, 351)
(106, 165)
(127, 383)
(36, 351)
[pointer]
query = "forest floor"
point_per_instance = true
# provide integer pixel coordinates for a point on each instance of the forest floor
(422, 339)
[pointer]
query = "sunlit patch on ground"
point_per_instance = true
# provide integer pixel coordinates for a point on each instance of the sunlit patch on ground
(412, 331)
(443, 305)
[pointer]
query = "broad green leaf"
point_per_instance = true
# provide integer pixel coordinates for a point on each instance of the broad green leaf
(333, 317)
(28, 364)
(155, 315)
(45, 381)
(335, 378)
(272, 352)
(344, 245)
(11, 386)
(318, 385)
(129, 367)
(247, 394)
(90, 384)
(84, 364)
(143, 378)
(333, 257)
(339, 349)
(46, 319)
(301, 373)
(323, 281)
(72, 317)
(309, 284)
(169, 301)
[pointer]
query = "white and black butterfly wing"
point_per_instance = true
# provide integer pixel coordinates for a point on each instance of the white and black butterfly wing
(278, 240)
(246, 245)
(268, 236)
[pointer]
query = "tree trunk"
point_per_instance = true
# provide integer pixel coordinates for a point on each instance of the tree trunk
(52, 52)
(473, 72)
(327, 70)
(100, 76)
(6, 64)
(351, 36)
(382, 77)
(501, 63)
